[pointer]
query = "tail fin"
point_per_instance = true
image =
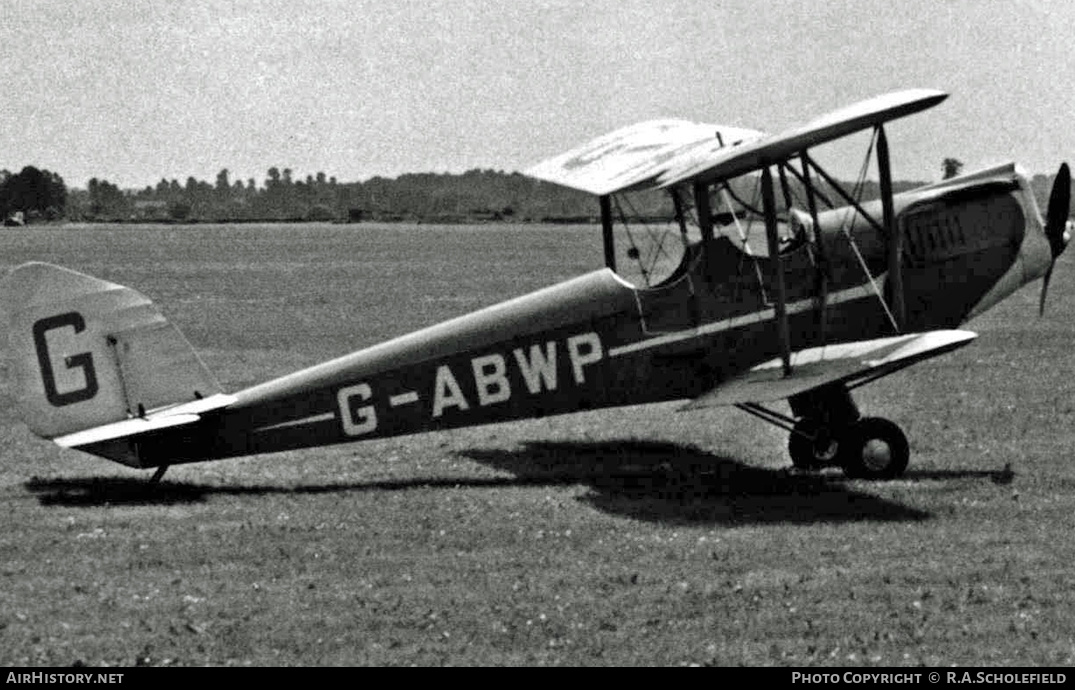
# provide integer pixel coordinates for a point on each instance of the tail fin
(85, 352)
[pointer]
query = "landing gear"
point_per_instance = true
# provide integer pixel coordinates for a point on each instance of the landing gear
(874, 448)
(812, 445)
(868, 448)
(828, 431)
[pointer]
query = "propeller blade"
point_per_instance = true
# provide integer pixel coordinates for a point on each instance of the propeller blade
(1044, 290)
(1056, 221)
(1059, 207)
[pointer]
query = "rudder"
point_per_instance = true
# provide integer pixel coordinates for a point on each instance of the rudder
(84, 352)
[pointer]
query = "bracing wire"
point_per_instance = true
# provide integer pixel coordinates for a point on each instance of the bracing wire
(726, 197)
(648, 263)
(656, 242)
(630, 238)
(848, 221)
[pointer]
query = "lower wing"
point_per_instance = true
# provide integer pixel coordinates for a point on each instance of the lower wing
(850, 364)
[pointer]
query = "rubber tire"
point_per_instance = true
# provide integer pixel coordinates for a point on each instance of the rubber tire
(857, 454)
(801, 449)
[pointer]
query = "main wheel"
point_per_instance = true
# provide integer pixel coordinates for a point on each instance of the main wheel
(811, 445)
(874, 448)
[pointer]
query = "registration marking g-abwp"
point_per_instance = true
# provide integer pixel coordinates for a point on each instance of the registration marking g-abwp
(536, 366)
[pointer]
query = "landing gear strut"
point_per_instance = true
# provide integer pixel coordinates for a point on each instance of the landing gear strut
(158, 475)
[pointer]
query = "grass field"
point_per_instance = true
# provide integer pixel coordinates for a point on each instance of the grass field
(633, 536)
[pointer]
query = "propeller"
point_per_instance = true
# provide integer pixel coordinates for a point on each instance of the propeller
(1056, 222)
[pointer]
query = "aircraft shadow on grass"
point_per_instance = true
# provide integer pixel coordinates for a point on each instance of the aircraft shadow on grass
(653, 481)
(90, 492)
(682, 484)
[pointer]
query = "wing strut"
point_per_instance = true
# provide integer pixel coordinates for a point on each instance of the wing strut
(705, 213)
(681, 215)
(822, 257)
(895, 249)
(784, 188)
(606, 231)
(841, 192)
(778, 268)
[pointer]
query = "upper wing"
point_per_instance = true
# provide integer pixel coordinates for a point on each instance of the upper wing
(661, 153)
(714, 163)
(634, 156)
(819, 366)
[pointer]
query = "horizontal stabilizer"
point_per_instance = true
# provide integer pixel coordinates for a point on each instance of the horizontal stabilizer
(844, 363)
(177, 415)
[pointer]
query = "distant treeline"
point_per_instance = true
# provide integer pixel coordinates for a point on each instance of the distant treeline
(476, 195)
(35, 193)
(473, 196)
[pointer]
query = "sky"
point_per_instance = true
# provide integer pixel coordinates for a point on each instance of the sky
(133, 91)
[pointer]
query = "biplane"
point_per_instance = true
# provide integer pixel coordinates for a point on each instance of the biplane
(840, 293)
